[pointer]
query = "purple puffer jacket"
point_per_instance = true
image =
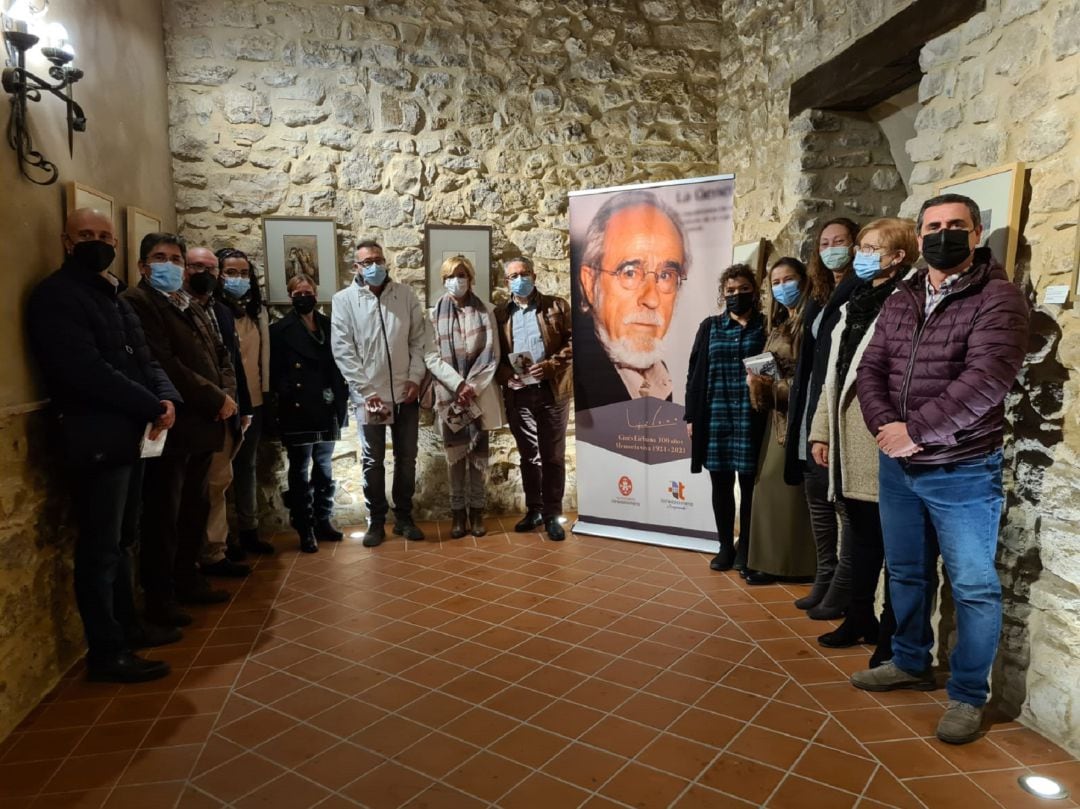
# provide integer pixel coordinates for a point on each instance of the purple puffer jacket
(946, 375)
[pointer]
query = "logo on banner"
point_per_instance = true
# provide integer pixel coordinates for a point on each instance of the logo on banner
(674, 497)
(626, 486)
(677, 490)
(625, 496)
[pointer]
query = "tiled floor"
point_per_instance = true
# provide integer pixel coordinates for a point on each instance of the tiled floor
(510, 672)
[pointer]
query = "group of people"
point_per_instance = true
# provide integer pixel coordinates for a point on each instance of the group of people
(161, 389)
(871, 434)
(874, 436)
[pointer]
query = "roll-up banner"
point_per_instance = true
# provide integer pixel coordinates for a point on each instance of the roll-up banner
(645, 261)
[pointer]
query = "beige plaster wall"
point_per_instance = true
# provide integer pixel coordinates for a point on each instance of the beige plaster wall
(125, 153)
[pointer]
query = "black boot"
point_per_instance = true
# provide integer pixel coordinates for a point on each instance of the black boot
(834, 605)
(250, 542)
(458, 527)
(326, 532)
(476, 522)
(814, 597)
(725, 559)
(853, 631)
(308, 543)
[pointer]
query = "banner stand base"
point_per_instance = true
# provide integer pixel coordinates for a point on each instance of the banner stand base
(645, 537)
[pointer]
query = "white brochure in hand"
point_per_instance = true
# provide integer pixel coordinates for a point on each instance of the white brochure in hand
(152, 447)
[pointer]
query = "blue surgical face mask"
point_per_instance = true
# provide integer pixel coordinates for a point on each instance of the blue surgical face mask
(374, 275)
(835, 258)
(166, 276)
(867, 266)
(522, 286)
(237, 287)
(787, 293)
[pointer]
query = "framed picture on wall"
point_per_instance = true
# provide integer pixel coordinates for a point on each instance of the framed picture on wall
(300, 244)
(446, 241)
(77, 195)
(999, 193)
(139, 223)
(753, 254)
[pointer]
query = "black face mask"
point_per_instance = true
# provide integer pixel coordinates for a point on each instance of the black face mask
(304, 304)
(946, 248)
(740, 303)
(93, 257)
(202, 283)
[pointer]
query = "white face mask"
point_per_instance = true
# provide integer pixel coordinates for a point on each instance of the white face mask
(457, 286)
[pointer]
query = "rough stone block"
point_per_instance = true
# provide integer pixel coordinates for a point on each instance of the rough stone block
(247, 194)
(336, 137)
(207, 75)
(1066, 31)
(252, 48)
(399, 115)
(309, 88)
(1015, 9)
(924, 148)
(392, 77)
(926, 173)
(1017, 52)
(302, 116)
(1046, 134)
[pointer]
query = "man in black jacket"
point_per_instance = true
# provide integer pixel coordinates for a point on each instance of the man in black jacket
(106, 388)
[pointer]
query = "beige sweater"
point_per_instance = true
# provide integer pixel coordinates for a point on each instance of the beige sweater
(839, 423)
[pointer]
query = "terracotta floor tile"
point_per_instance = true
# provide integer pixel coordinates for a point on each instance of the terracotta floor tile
(699, 797)
(529, 746)
(619, 736)
(156, 764)
(767, 746)
(506, 671)
(678, 756)
(836, 769)
(951, 792)
(642, 786)
(799, 793)
(296, 746)
(910, 758)
(388, 786)
(742, 778)
(339, 765)
(486, 776)
(539, 791)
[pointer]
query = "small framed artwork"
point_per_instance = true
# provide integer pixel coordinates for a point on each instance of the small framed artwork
(139, 223)
(300, 244)
(446, 241)
(999, 193)
(77, 195)
(753, 254)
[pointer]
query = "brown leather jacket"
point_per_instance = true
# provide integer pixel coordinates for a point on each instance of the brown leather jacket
(195, 360)
(554, 316)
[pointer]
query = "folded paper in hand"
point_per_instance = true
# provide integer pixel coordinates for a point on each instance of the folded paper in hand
(152, 447)
(521, 362)
(762, 365)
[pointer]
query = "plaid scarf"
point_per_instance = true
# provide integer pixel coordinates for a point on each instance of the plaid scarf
(464, 339)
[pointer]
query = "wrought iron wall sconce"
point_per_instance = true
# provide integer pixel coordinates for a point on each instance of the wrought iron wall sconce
(23, 87)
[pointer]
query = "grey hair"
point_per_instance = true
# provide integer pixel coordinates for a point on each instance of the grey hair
(945, 199)
(519, 260)
(593, 249)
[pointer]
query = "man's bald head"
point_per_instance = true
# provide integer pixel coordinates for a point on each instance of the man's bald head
(202, 257)
(87, 225)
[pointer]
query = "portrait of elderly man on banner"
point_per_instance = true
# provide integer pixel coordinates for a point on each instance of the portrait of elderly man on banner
(644, 264)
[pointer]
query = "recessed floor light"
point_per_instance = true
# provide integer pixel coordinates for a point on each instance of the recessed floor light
(356, 535)
(1043, 787)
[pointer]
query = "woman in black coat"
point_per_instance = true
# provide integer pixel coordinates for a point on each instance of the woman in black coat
(312, 400)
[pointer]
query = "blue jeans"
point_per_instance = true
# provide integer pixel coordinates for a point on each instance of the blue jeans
(962, 503)
(404, 432)
(311, 483)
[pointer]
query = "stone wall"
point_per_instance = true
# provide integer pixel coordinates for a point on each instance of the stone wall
(998, 88)
(390, 116)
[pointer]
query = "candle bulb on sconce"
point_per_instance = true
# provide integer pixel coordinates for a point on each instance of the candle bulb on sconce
(23, 28)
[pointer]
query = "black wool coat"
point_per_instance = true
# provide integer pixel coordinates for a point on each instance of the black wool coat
(104, 383)
(300, 370)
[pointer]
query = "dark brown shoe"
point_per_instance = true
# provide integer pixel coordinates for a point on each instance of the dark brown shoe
(458, 526)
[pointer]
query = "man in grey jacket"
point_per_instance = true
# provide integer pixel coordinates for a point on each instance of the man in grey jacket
(383, 344)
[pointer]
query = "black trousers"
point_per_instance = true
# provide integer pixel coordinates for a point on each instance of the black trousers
(831, 527)
(723, 503)
(867, 557)
(538, 423)
(176, 506)
(311, 483)
(107, 500)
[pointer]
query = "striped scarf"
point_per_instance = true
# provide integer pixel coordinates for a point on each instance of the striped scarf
(462, 335)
